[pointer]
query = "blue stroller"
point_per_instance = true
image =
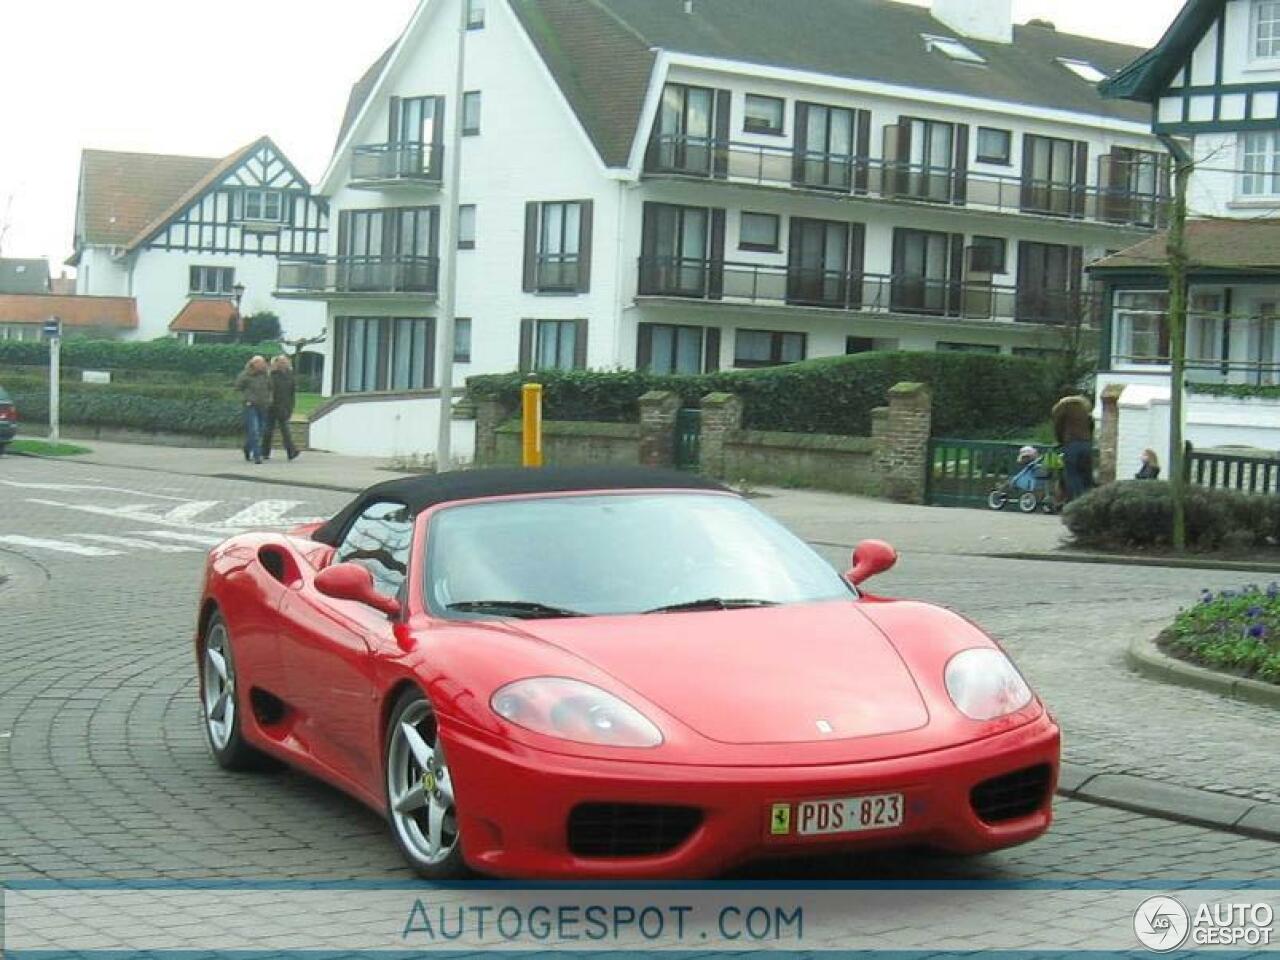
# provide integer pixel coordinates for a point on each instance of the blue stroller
(1030, 485)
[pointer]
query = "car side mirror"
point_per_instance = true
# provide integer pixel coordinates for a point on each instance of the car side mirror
(871, 557)
(350, 581)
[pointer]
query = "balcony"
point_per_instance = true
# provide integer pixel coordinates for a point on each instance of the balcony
(360, 277)
(557, 273)
(389, 165)
(897, 294)
(758, 165)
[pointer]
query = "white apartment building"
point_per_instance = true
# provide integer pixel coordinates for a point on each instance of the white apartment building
(181, 235)
(691, 185)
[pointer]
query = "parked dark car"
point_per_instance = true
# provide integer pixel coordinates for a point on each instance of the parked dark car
(8, 420)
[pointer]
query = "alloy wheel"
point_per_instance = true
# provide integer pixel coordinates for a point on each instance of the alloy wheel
(219, 686)
(419, 786)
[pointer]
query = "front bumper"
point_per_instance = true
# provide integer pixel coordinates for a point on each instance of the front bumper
(514, 806)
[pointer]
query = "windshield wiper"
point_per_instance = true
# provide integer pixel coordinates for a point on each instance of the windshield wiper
(713, 603)
(522, 609)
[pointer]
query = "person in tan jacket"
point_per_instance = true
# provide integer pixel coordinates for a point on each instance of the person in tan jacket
(1073, 427)
(254, 384)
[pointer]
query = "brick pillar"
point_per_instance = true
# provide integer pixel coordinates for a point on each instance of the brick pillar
(905, 450)
(658, 428)
(1109, 433)
(721, 419)
(490, 414)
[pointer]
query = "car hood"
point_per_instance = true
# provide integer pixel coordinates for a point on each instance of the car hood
(789, 674)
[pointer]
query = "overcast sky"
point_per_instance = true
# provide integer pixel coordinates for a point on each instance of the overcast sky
(174, 76)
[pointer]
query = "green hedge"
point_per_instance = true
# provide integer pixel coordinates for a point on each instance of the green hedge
(1139, 513)
(83, 354)
(190, 392)
(1240, 391)
(832, 395)
(108, 407)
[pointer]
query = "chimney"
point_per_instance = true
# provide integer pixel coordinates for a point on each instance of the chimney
(990, 20)
(688, 6)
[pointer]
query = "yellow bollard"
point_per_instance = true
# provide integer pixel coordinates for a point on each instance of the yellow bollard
(531, 403)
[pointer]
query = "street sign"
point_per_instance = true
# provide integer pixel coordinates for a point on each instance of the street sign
(52, 327)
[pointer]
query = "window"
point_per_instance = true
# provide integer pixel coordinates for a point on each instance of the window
(668, 348)
(674, 251)
(995, 146)
(467, 226)
(384, 353)
(1141, 328)
(475, 14)
(259, 205)
(944, 346)
(930, 154)
(759, 231)
(379, 540)
(952, 48)
(824, 259)
(921, 271)
(212, 281)
(388, 250)
(988, 255)
(1260, 162)
(827, 139)
(683, 134)
(1266, 29)
(1084, 70)
(763, 114)
(471, 113)
(555, 344)
(462, 340)
(767, 348)
(1053, 173)
(557, 240)
(859, 345)
(1049, 278)
(1206, 328)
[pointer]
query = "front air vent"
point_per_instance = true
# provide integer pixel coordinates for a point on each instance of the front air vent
(1014, 795)
(629, 829)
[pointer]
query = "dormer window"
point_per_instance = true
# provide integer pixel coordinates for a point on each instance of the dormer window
(1083, 69)
(953, 49)
(258, 206)
(1266, 29)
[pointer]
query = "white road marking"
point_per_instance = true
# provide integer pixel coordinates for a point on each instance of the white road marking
(132, 516)
(59, 546)
(136, 542)
(88, 486)
(265, 513)
(206, 540)
(189, 511)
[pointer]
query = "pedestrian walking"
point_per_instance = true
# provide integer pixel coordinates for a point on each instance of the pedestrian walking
(282, 399)
(1150, 469)
(1073, 427)
(254, 384)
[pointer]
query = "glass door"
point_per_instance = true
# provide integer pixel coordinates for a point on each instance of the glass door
(920, 263)
(819, 255)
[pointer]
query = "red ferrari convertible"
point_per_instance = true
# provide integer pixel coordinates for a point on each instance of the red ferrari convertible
(611, 673)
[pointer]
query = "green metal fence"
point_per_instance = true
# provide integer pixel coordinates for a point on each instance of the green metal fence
(688, 438)
(1230, 471)
(962, 473)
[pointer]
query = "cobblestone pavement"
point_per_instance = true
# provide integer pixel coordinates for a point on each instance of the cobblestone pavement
(104, 772)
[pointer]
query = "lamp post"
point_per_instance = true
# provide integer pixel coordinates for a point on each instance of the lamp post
(234, 326)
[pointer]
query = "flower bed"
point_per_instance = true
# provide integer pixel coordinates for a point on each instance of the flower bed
(1237, 631)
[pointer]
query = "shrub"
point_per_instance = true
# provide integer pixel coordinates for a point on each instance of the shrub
(107, 407)
(833, 395)
(190, 392)
(83, 354)
(1139, 513)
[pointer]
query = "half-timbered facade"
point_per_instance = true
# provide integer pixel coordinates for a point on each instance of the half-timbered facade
(666, 184)
(182, 234)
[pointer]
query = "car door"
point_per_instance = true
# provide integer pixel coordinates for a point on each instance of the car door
(327, 648)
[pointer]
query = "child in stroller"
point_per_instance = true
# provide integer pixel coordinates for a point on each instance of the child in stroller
(1030, 485)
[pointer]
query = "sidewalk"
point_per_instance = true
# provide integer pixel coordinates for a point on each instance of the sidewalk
(828, 519)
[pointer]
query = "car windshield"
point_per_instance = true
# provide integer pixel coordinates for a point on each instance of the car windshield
(617, 554)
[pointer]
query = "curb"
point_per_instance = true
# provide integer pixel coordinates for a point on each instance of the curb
(1185, 563)
(1144, 657)
(1168, 801)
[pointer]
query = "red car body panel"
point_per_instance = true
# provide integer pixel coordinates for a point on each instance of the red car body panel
(737, 695)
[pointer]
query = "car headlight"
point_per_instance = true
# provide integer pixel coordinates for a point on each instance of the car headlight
(573, 710)
(984, 684)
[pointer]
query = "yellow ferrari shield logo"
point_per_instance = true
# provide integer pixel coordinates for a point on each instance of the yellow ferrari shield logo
(780, 821)
(429, 782)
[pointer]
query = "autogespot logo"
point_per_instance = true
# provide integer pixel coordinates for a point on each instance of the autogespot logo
(1162, 924)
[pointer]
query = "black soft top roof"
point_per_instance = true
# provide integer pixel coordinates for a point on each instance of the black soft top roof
(421, 492)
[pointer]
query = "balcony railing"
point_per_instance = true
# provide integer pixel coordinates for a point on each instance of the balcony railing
(358, 275)
(897, 180)
(862, 292)
(557, 272)
(420, 163)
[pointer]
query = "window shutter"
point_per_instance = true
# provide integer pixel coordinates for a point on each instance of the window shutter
(1109, 198)
(530, 247)
(526, 345)
(1081, 172)
(393, 120)
(955, 275)
(344, 232)
(430, 365)
(857, 253)
(1031, 278)
(862, 152)
(644, 346)
(960, 173)
(801, 141)
(580, 344)
(1029, 190)
(1075, 284)
(715, 272)
(585, 230)
(437, 122)
(711, 350)
(649, 268)
(903, 154)
(720, 155)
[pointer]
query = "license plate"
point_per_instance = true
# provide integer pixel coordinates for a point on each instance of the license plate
(849, 814)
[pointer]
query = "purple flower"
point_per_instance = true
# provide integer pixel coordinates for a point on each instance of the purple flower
(1206, 596)
(1258, 631)
(1254, 612)
(1273, 590)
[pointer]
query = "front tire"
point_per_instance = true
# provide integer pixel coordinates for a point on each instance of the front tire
(1029, 503)
(220, 702)
(997, 499)
(420, 791)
